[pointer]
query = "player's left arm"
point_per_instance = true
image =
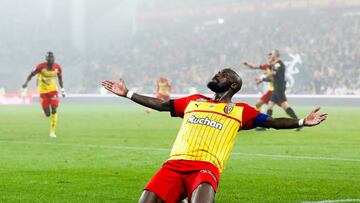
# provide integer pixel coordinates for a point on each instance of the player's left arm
(61, 83)
(313, 119)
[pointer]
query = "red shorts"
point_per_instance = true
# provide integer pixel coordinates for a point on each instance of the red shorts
(163, 97)
(177, 179)
(265, 98)
(49, 99)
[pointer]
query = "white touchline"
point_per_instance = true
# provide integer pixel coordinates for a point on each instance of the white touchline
(333, 201)
(168, 150)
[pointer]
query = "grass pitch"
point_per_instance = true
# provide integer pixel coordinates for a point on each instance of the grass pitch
(107, 153)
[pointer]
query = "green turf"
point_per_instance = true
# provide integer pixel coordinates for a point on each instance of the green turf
(86, 164)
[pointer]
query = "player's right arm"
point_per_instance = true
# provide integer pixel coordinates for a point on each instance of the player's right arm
(119, 88)
(251, 65)
(32, 74)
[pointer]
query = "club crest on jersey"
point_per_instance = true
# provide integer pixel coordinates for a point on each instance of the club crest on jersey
(205, 121)
(228, 108)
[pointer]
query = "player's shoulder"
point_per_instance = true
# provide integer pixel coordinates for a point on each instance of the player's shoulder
(241, 104)
(248, 111)
(245, 106)
(41, 65)
(280, 64)
(199, 97)
(56, 65)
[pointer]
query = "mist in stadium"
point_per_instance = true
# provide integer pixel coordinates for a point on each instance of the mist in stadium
(149, 101)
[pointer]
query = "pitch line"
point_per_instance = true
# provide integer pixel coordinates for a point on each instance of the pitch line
(333, 201)
(167, 150)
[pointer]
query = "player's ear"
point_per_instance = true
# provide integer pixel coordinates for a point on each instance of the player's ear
(235, 86)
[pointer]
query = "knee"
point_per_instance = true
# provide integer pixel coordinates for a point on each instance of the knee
(204, 193)
(149, 197)
(47, 114)
(53, 110)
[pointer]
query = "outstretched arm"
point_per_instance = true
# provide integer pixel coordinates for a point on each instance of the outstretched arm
(313, 119)
(119, 88)
(28, 80)
(251, 65)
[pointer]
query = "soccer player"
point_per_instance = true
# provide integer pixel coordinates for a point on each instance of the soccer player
(278, 76)
(205, 139)
(265, 98)
(47, 88)
(163, 90)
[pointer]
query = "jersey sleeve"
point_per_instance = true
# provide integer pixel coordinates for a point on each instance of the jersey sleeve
(178, 106)
(249, 116)
(264, 66)
(37, 69)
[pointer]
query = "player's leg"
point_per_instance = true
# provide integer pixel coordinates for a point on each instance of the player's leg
(270, 108)
(204, 193)
(149, 197)
(264, 99)
(273, 100)
(54, 119)
(54, 116)
(259, 104)
(285, 105)
(165, 186)
(46, 111)
(45, 104)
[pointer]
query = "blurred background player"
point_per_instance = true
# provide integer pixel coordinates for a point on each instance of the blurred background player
(47, 88)
(163, 90)
(268, 88)
(278, 97)
(265, 98)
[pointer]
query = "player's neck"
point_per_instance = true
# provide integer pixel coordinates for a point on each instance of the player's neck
(224, 97)
(49, 65)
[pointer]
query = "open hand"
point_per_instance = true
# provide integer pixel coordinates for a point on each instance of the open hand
(315, 118)
(24, 85)
(118, 88)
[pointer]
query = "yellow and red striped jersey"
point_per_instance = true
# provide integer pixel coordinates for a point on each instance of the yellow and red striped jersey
(47, 77)
(209, 128)
(267, 69)
(163, 87)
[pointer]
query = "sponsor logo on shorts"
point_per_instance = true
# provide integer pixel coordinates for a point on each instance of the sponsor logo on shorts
(205, 121)
(210, 173)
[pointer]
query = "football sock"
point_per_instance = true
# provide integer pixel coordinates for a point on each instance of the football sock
(291, 113)
(269, 112)
(53, 122)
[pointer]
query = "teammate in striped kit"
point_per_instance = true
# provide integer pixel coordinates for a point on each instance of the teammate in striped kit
(205, 139)
(47, 87)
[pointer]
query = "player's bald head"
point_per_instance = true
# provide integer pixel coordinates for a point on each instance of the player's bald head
(234, 78)
(50, 58)
(225, 80)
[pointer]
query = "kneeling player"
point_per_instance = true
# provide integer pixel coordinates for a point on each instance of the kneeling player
(205, 139)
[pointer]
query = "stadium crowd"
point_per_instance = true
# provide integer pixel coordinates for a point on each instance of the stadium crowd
(189, 51)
